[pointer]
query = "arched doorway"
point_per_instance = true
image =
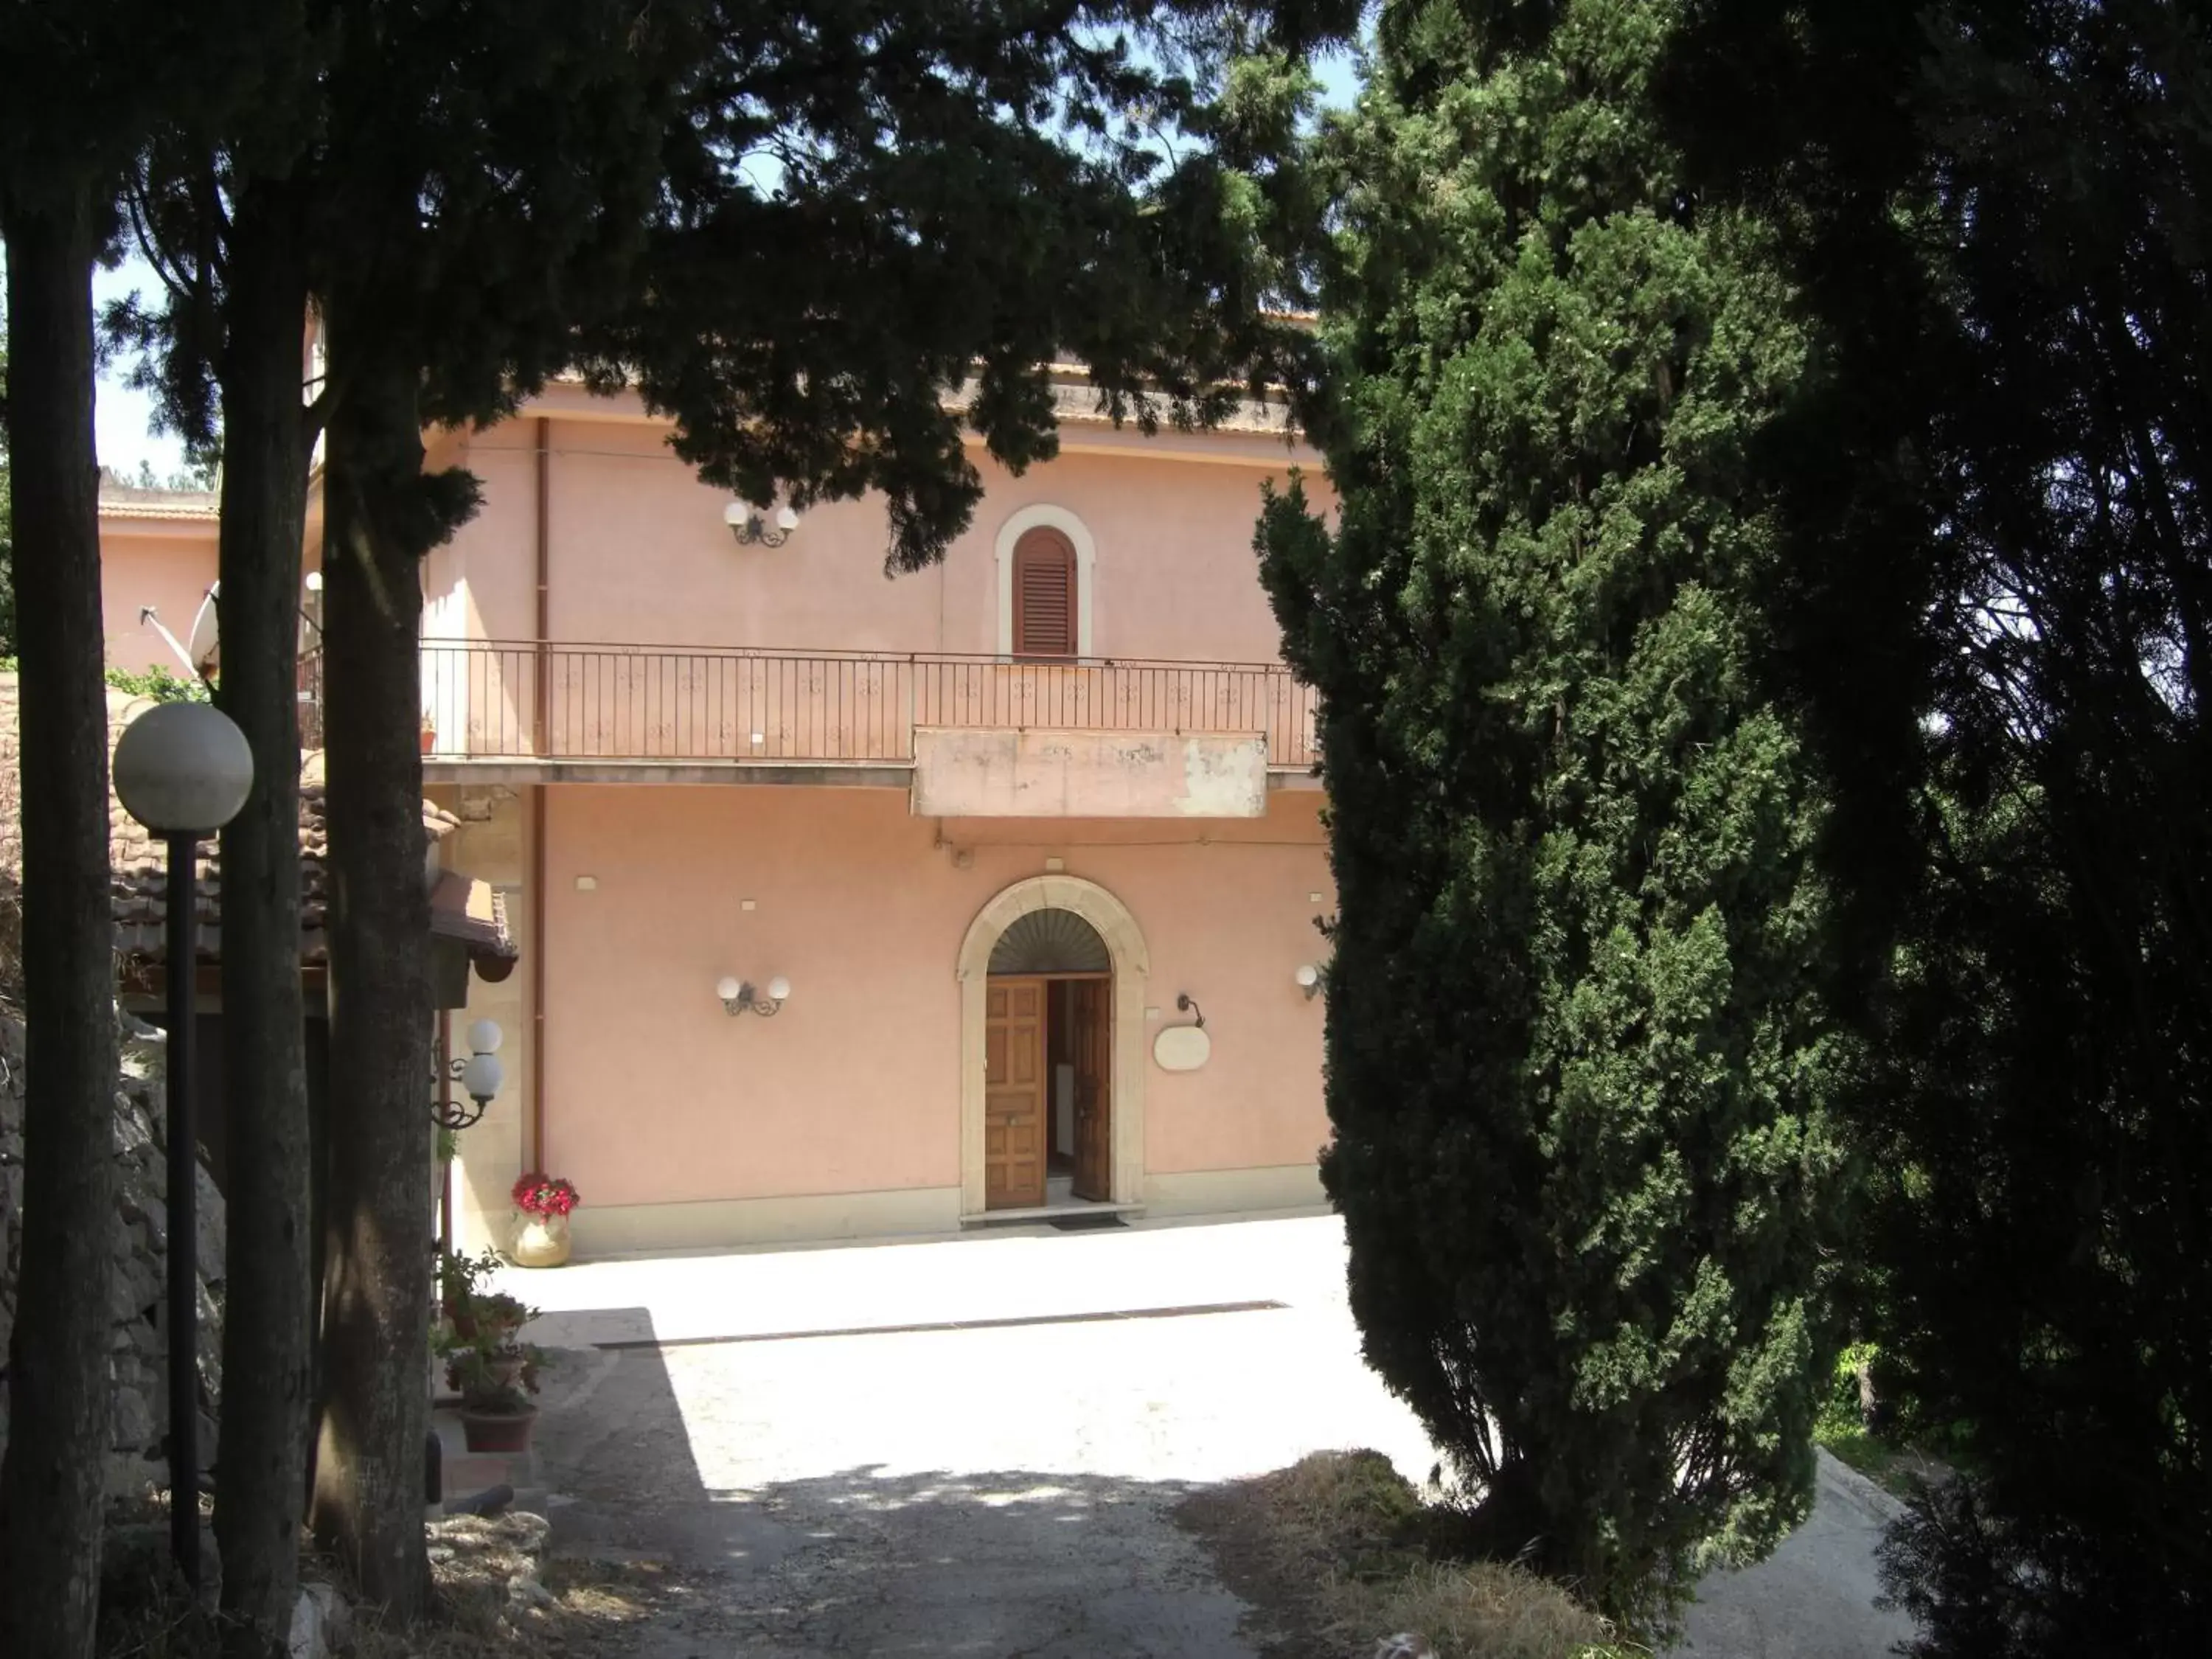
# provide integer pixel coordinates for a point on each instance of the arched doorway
(1052, 974)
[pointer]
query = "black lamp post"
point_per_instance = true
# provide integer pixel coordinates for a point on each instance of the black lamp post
(182, 770)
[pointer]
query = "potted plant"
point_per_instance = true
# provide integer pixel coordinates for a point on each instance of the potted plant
(543, 1202)
(494, 1369)
(461, 1279)
(429, 735)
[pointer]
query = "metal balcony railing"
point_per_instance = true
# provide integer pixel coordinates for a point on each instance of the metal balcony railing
(524, 700)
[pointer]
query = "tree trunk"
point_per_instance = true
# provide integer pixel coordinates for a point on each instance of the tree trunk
(267, 1335)
(57, 1443)
(368, 1488)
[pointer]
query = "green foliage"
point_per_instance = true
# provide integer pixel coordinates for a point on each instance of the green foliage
(461, 1278)
(478, 1333)
(1578, 1059)
(1844, 1428)
(835, 289)
(1998, 622)
(202, 475)
(159, 684)
(1842, 1409)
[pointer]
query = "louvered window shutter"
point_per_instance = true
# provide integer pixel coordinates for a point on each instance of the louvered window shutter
(1044, 595)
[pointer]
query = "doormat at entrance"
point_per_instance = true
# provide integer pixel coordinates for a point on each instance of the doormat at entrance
(1083, 1223)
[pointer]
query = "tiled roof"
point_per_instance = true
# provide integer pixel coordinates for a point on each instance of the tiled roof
(139, 862)
(1075, 402)
(130, 502)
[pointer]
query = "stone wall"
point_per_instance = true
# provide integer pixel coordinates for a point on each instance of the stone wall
(138, 1387)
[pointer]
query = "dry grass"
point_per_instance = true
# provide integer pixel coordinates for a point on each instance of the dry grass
(1348, 1546)
(1486, 1610)
(495, 1594)
(499, 1598)
(157, 1622)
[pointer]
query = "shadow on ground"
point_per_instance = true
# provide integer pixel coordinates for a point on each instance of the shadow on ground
(859, 1560)
(869, 1559)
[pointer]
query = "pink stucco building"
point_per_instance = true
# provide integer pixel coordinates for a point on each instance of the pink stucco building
(157, 568)
(1002, 833)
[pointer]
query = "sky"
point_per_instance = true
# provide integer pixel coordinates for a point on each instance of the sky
(122, 418)
(120, 415)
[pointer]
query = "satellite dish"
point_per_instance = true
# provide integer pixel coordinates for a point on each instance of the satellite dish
(152, 619)
(204, 642)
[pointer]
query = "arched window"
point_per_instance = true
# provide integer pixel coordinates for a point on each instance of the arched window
(1045, 595)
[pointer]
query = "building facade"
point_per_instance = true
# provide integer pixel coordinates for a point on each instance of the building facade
(852, 904)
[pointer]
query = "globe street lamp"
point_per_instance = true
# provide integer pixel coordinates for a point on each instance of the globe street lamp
(182, 770)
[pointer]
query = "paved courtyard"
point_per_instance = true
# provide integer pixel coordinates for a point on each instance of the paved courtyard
(994, 1475)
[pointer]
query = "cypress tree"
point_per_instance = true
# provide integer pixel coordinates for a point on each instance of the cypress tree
(1578, 1058)
(7, 516)
(2007, 535)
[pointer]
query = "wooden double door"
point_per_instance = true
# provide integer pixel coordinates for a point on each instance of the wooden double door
(1033, 1026)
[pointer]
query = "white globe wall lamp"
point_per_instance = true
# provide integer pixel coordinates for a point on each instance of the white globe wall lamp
(739, 996)
(752, 528)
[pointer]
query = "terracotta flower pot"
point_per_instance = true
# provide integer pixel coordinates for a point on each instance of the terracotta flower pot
(542, 1241)
(498, 1431)
(429, 740)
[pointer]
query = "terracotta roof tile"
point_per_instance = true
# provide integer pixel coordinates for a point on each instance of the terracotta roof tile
(130, 502)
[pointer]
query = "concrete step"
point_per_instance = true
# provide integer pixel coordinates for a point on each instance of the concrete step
(463, 1471)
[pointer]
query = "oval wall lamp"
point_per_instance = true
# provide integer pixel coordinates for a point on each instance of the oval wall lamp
(1309, 979)
(739, 996)
(752, 528)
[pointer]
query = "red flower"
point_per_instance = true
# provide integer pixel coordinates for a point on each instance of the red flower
(541, 1194)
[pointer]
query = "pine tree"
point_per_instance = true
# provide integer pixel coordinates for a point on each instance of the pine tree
(839, 287)
(269, 1325)
(220, 198)
(50, 1482)
(81, 88)
(800, 234)
(1578, 1056)
(802, 231)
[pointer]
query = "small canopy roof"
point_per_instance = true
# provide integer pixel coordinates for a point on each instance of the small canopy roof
(466, 911)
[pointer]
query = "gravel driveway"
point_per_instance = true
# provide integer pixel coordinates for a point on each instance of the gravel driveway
(993, 1476)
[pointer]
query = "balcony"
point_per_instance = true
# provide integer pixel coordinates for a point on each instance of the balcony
(500, 711)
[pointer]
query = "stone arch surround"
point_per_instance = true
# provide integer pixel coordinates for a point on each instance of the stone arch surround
(1047, 516)
(1125, 944)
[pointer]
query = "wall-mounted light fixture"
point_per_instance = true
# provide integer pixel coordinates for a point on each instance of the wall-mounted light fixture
(1309, 979)
(739, 996)
(1187, 1004)
(479, 1076)
(753, 528)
